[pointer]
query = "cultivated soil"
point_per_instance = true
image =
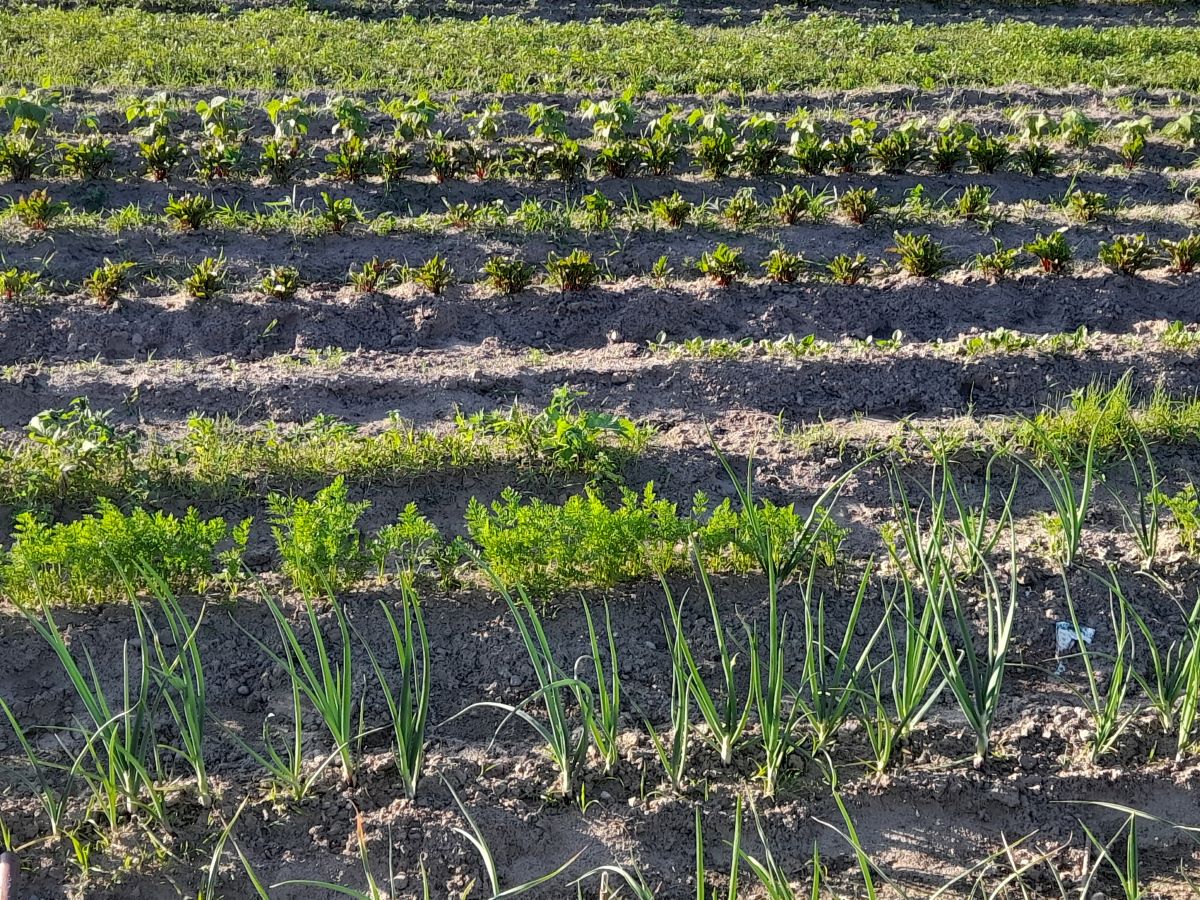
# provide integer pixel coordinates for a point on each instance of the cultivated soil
(157, 358)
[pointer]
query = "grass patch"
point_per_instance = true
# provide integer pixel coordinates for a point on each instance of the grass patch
(293, 50)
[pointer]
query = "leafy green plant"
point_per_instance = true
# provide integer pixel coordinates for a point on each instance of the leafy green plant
(860, 204)
(107, 281)
(845, 269)
(618, 159)
(672, 211)
(1133, 133)
(319, 540)
(373, 275)
(850, 151)
(1086, 206)
(162, 156)
(37, 210)
(1185, 130)
(1182, 255)
(1037, 159)
(1052, 251)
(975, 202)
(920, 255)
(190, 212)
(508, 274)
(783, 266)
(573, 272)
(1077, 129)
(283, 158)
(791, 205)
(997, 264)
(280, 282)
(434, 275)
(742, 208)
(1127, 254)
(207, 280)
(21, 156)
(87, 158)
(354, 159)
(565, 159)
(898, 151)
(565, 434)
(723, 265)
(338, 213)
(79, 450)
(987, 153)
(948, 147)
(811, 154)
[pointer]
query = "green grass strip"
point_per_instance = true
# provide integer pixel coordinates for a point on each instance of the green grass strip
(292, 50)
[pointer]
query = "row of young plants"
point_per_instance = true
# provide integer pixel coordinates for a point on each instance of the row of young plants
(715, 140)
(584, 541)
(594, 212)
(1178, 336)
(127, 784)
(78, 453)
(775, 697)
(917, 255)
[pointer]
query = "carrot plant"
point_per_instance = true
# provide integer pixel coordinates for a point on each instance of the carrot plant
(319, 540)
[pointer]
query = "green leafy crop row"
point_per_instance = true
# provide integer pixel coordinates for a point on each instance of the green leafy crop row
(130, 47)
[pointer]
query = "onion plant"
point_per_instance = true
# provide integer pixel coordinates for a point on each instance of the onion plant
(605, 723)
(916, 681)
(1142, 518)
(1172, 682)
(975, 673)
(726, 712)
(557, 692)
(830, 675)
(408, 702)
(1071, 501)
(53, 800)
(476, 838)
(1126, 867)
(1105, 698)
(673, 743)
(774, 702)
(179, 672)
(118, 762)
(326, 680)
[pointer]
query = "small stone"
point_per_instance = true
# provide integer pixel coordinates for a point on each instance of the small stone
(243, 690)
